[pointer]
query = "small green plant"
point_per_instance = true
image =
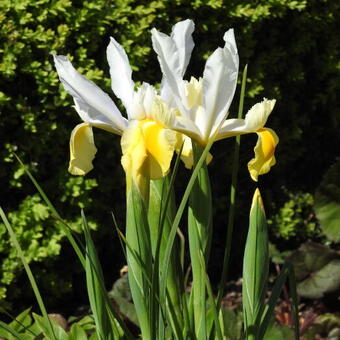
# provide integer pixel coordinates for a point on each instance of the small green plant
(296, 218)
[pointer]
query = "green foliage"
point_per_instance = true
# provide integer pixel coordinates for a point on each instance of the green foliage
(36, 117)
(31, 326)
(327, 324)
(317, 270)
(295, 219)
(39, 238)
(36, 234)
(121, 295)
(327, 203)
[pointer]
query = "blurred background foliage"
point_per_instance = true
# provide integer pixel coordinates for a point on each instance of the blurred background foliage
(292, 49)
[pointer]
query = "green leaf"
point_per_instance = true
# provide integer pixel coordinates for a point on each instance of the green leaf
(327, 203)
(161, 213)
(317, 270)
(121, 294)
(199, 235)
(30, 275)
(279, 332)
(9, 333)
(231, 323)
(77, 333)
(139, 258)
(255, 267)
(44, 327)
(22, 321)
(95, 284)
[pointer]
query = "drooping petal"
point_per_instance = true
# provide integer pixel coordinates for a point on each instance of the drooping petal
(160, 144)
(134, 153)
(219, 83)
(147, 150)
(264, 153)
(95, 105)
(121, 73)
(257, 116)
(82, 149)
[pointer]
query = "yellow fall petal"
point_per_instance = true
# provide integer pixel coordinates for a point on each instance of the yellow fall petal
(147, 151)
(264, 153)
(160, 144)
(82, 149)
(134, 152)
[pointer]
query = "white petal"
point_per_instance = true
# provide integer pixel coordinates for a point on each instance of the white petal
(182, 36)
(94, 103)
(185, 126)
(88, 115)
(257, 116)
(120, 71)
(167, 53)
(230, 46)
(142, 103)
(219, 82)
(232, 127)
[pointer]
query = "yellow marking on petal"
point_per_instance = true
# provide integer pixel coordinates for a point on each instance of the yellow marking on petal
(134, 153)
(147, 151)
(82, 150)
(160, 144)
(264, 153)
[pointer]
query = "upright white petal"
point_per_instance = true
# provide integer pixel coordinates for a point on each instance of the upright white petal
(230, 46)
(167, 53)
(94, 104)
(219, 82)
(120, 71)
(182, 37)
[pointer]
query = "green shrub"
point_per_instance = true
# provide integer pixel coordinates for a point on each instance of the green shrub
(296, 218)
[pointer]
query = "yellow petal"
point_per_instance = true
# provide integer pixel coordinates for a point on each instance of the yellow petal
(187, 156)
(160, 144)
(147, 151)
(134, 152)
(264, 153)
(82, 149)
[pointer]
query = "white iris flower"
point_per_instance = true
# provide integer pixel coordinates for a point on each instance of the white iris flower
(203, 103)
(147, 145)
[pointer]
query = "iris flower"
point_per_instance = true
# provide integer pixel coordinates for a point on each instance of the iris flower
(147, 145)
(203, 103)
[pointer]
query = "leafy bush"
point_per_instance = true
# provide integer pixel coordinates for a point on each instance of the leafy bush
(296, 218)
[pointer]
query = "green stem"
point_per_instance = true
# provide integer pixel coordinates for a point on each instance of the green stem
(231, 213)
(199, 234)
